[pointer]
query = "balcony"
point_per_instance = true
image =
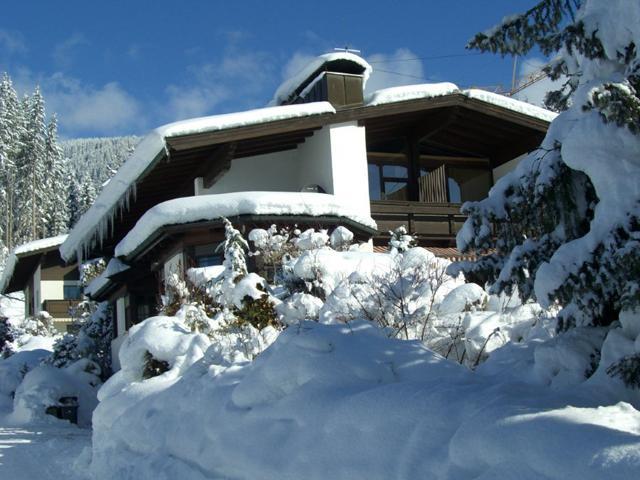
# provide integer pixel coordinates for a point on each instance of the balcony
(436, 224)
(59, 308)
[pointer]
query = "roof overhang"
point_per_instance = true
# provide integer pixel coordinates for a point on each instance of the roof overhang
(20, 268)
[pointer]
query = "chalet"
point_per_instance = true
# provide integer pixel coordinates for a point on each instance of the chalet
(320, 155)
(50, 285)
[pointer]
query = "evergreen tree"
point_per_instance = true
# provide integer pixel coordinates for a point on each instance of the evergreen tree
(11, 136)
(564, 226)
(56, 183)
(30, 180)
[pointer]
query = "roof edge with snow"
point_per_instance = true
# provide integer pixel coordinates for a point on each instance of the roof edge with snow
(189, 210)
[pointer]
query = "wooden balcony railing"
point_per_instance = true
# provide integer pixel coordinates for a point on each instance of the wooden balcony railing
(434, 223)
(59, 308)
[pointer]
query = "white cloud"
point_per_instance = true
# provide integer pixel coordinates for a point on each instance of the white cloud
(63, 51)
(402, 67)
(12, 42)
(536, 92)
(84, 109)
(237, 76)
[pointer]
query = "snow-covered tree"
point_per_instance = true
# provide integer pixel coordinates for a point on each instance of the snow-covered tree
(31, 174)
(564, 226)
(56, 185)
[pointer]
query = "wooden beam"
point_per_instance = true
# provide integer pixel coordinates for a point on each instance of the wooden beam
(219, 164)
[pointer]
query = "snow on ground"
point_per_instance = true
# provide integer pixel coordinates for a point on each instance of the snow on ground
(210, 207)
(345, 401)
(42, 452)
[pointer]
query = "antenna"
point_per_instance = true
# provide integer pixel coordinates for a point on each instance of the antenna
(346, 49)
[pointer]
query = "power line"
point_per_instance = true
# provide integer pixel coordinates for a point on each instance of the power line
(433, 57)
(398, 73)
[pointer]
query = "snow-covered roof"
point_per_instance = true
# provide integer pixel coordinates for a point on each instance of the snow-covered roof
(289, 86)
(39, 245)
(114, 267)
(118, 191)
(25, 250)
(432, 90)
(211, 207)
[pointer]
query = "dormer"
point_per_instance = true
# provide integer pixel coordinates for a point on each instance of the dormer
(338, 78)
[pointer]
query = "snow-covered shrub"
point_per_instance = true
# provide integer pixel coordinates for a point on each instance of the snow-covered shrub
(39, 325)
(564, 225)
(341, 238)
(299, 307)
(45, 385)
(14, 368)
(399, 298)
(400, 240)
(91, 269)
(272, 247)
(92, 340)
(6, 337)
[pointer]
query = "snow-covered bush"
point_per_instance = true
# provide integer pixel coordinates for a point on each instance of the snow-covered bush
(6, 337)
(564, 226)
(91, 342)
(45, 385)
(14, 368)
(400, 297)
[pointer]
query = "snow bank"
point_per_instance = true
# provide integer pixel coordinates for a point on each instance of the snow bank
(210, 207)
(93, 225)
(344, 402)
(286, 89)
(45, 385)
(14, 368)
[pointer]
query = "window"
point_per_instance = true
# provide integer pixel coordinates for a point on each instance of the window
(388, 170)
(71, 292)
(208, 260)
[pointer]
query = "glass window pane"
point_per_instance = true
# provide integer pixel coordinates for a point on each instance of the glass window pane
(375, 188)
(396, 171)
(395, 190)
(454, 191)
(71, 292)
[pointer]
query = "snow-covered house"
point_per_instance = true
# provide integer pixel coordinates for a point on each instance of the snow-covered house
(49, 284)
(320, 155)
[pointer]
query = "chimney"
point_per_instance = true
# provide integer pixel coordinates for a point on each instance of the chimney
(338, 78)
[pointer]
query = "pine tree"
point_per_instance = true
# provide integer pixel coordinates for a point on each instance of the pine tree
(30, 165)
(564, 226)
(57, 212)
(11, 136)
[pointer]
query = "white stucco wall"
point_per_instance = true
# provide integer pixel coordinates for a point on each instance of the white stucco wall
(507, 167)
(314, 161)
(334, 157)
(349, 165)
(274, 172)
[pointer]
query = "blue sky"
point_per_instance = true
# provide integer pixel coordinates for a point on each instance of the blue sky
(121, 67)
